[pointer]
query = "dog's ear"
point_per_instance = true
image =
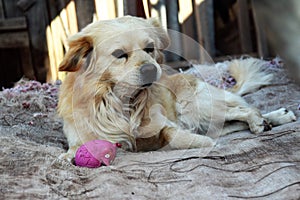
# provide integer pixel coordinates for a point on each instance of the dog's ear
(79, 48)
(160, 32)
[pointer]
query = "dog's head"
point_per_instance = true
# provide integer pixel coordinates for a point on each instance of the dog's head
(125, 50)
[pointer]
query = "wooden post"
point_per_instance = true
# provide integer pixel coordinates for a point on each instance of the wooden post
(38, 20)
(173, 24)
(262, 44)
(1, 10)
(244, 26)
(205, 26)
(85, 10)
(130, 7)
(134, 8)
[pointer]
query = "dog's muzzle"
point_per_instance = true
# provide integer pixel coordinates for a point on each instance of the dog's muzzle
(148, 74)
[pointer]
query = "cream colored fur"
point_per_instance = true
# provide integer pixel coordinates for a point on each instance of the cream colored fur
(249, 75)
(105, 96)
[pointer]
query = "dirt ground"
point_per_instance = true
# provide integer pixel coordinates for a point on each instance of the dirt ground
(240, 166)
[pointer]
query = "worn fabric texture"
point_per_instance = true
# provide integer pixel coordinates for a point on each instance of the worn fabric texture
(240, 166)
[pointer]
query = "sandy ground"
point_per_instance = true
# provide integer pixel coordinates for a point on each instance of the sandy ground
(240, 166)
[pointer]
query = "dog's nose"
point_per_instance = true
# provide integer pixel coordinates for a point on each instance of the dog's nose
(148, 74)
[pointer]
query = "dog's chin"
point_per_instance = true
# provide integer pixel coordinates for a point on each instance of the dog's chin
(148, 83)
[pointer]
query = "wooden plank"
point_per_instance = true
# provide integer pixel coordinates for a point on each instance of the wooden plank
(27, 63)
(188, 28)
(12, 24)
(72, 19)
(173, 24)
(38, 19)
(261, 38)
(84, 10)
(147, 8)
(110, 11)
(58, 36)
(11, 9)
(205, 27)
(130, 7)
(52, 73)
(52, 10)
(14, 40)
(63, 24)
(2, 15)
(140, 11)
(244, 26)
(25, 5)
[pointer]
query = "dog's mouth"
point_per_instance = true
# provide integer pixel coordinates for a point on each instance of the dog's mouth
(146, 85)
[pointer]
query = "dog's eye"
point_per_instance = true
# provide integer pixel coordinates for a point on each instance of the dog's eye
(119, 53)
(149, 48)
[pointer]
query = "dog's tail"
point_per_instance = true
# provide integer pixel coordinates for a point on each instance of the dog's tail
(250, 75)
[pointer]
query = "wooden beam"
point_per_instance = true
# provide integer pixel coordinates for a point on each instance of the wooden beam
(14, 40)
(11, 24)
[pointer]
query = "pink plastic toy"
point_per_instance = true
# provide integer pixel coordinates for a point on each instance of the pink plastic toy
(95, 153)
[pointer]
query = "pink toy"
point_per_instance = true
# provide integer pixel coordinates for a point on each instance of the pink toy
(95, 153)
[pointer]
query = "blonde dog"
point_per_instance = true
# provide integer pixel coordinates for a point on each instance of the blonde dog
(117, 91)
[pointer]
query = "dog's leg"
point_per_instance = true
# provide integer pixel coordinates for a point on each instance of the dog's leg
(280, 116)
(70, 154)
(74, 142)
(183, 139)
(234, 127)
(256, 122)
(207, 104)
(253, 117)
(274, 118)
(237, 109)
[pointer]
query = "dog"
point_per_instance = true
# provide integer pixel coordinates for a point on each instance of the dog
(117, 90)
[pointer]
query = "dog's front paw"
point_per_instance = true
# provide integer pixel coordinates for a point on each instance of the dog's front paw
(280, 116)
(283, 116)
(68, 156)
(259, 125)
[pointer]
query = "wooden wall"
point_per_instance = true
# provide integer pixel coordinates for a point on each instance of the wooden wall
(26, 53)
(38, 30)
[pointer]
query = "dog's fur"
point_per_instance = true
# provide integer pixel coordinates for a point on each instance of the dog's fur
(117, 91)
